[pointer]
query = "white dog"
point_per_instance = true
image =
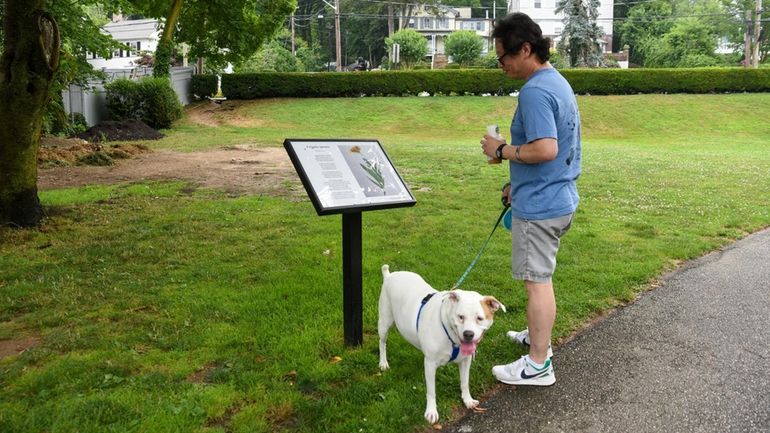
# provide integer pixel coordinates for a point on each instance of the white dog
(445, 326)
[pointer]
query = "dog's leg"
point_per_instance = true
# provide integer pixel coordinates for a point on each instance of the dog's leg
(465, 372)
(384, 323)
(431, 413)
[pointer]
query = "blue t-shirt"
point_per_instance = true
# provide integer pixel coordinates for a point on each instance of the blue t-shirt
(547, 109)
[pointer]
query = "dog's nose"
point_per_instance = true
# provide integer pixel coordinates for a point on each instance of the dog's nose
(468, 335)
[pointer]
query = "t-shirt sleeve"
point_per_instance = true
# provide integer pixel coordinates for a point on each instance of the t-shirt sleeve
(537, 114)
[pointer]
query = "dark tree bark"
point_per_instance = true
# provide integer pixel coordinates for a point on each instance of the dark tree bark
(30, 59)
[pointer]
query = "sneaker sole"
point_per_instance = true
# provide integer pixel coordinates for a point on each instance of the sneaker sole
(543, 381)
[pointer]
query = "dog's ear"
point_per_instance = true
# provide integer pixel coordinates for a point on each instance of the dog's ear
(494, 304)
(453, 296)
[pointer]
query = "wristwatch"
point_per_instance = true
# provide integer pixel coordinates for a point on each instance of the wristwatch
(499, 151)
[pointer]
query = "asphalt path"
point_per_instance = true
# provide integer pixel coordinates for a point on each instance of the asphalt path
(692, 355)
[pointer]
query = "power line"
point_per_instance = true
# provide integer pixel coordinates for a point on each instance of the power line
(555, 19)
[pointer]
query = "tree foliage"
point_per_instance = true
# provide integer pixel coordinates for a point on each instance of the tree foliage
(412, 46)
(276, 56)
(580, 37)
(683, 33)
(689, 43)
(465, 46)
(221, 31)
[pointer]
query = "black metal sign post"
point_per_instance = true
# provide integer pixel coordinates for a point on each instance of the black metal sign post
(352, 279)
(348, 177)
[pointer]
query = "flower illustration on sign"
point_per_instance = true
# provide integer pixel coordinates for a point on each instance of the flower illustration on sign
(373, 168)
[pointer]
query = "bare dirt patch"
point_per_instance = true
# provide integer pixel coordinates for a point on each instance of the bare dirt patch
(224, 113)
(242, 169)
(237, 169)
(18, 345)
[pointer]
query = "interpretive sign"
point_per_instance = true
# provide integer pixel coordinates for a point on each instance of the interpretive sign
(344, 176)
(348, 177)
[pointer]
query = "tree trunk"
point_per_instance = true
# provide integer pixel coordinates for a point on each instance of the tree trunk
(30, 59)
(165, 49)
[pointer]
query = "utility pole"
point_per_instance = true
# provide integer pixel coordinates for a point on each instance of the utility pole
(337, 33)
(757, 24)
(747, 41)
(336, 7)
(293, 51)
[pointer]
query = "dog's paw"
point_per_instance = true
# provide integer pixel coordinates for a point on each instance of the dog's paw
(431, 415)
(471, 403)
(384, 365)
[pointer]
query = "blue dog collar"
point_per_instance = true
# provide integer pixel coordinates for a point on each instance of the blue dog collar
(455, 349)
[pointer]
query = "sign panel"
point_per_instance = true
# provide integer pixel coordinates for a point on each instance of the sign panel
(344, 176)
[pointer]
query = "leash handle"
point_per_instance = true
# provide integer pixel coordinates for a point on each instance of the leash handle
(473, 263)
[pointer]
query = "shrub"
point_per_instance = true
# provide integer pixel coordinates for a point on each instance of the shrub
(464, 46)
(557, 61)
(204, 85)
(413, 46)
(124, 100)
(162, 105)
(488, 61)
(482, 81)
(151, 100)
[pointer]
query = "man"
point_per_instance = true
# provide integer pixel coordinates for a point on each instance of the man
(545, 159)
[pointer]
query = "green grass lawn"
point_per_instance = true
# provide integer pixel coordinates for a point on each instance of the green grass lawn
(160, 308)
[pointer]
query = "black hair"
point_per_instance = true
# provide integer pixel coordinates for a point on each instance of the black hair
(513, 30)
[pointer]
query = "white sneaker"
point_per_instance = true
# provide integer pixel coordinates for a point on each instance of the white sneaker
(522, 372)
(522, 337)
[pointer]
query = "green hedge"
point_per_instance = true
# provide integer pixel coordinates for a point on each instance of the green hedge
(480, 81)
(151, 100)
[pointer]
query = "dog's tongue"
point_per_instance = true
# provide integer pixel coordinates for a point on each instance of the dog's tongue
(468, 348)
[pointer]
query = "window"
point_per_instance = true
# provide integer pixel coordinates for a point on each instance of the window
(427, 23)
(442, 23)
(138, 46)
(538, 4)
(557, 30)
(411, 23)
(473, 25)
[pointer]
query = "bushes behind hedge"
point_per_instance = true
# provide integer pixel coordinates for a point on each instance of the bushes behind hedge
(151, 100)
(480, 81)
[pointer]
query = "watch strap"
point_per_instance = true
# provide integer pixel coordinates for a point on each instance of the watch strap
(499, 151)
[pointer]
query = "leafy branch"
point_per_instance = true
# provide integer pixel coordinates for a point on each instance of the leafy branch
(372, 168)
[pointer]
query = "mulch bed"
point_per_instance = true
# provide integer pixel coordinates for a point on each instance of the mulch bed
(123, 130)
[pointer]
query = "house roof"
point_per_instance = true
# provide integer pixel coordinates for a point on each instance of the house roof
(131, 30)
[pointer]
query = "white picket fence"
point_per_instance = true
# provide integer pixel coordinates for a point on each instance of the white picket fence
(91, 100)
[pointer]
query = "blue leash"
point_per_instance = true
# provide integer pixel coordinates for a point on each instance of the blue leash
(473, 263)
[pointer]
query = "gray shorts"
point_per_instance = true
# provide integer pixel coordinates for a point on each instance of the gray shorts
(535, 244)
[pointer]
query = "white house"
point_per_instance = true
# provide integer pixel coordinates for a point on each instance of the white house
(436, 27)
(140, 35)
(542, 12)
